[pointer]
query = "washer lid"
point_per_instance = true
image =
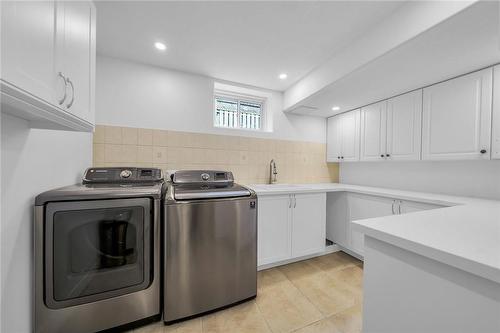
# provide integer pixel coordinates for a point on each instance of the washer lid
(197, 192)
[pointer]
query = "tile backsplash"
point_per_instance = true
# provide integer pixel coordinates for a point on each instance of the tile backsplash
(248, 158)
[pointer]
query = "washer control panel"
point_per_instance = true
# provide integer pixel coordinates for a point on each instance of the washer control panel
(122, 175)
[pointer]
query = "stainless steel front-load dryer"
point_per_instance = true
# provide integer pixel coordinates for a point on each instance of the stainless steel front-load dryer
(97, 251)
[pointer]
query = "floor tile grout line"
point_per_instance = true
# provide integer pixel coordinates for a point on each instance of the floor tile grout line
(302, 293)
(264, 317)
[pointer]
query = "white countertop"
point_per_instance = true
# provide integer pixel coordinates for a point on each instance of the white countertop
(466, 234)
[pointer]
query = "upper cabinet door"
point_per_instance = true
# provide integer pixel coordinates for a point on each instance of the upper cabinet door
(495, 139)
(457, 118)
(76, 55)
(334, 139)
(373, 132)
(27, 33)
(404, 132)
(350, 136)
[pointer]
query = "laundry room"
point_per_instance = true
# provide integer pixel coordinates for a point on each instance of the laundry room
(250, 166)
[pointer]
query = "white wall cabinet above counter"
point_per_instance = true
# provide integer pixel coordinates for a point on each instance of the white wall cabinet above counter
(457, 118)
(343, 137)
(451, 120)
(48, 63)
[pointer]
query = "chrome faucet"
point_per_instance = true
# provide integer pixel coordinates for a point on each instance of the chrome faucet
(273, 173)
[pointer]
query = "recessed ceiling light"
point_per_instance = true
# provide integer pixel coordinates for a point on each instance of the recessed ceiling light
(160, 46)
(283, 76)
(336, 108)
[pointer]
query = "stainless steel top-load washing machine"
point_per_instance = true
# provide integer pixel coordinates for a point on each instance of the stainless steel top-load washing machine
(210, 243)
(97, 251)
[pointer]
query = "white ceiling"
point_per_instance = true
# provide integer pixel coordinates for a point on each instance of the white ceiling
(466, 42)
(245, 42)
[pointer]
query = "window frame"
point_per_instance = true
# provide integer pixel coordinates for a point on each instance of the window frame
(239, 98)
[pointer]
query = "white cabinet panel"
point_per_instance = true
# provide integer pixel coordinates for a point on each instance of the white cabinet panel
(364, 207)
(343, 137)
(495, 139)
(406, 207)
(75, 50)
(350, 136)
(404, 120)
(457, 118)
(373, 132)
(273, 229)
(308, 224)
(27, 33)
(334, 139)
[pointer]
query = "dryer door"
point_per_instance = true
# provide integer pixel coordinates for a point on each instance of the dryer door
(96, 249)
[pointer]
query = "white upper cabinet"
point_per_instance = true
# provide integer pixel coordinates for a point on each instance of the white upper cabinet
(334, 139)
(75, 48)
(457, 118)
(495, 138)
(48, 63)
(392, 129)
(404, 131)
(350, 136)
(343, 137)
(28, 41)
(373, 131)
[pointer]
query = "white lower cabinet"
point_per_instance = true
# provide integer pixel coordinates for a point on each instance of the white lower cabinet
(273, 230)
(344, 208)
(365, 207)
(290, 226)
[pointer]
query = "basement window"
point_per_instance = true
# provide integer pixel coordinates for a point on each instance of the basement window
(239, 112)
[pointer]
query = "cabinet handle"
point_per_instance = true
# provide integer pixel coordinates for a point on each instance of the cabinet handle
(483, 151)
(399, 207)
(294, 201)
(341, 157)
(338, 157)
(61, 101)
(289, 201)
(392, 208)
(382, 155)
(387, 155)
(72, 93)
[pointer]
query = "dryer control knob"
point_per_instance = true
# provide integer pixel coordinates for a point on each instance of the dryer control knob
(205, 176)
(125, 173)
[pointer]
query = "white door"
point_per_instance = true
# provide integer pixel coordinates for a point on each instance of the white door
(414, 206)
(334, 139)
(350, 136)
(495, 139)
(404, 132)
(364, 207)
(457, 118)
(308, 223)
(27, 51)
(74, 54)
(373, 132)
(273, 229)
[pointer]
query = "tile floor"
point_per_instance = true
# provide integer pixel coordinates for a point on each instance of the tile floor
(322, 294)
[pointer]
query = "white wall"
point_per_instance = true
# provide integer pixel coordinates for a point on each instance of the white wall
(136, 95)
(32, 161)
(463, 178)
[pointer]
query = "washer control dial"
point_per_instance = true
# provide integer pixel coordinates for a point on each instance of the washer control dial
(205, 176)
(125, 173)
